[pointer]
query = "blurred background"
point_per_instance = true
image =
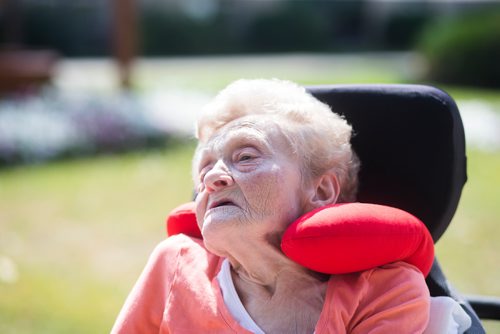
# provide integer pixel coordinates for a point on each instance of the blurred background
(97, 102)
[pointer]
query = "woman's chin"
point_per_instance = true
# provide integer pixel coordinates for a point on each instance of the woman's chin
(216, 234)
(222, 214)
(219, 222)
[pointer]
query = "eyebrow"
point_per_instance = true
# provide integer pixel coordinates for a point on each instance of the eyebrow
(240, 132)
(235, 139)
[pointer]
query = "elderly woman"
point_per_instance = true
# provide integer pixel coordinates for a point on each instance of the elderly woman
(268, 153)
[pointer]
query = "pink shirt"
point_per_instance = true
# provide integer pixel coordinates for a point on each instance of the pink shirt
(178, 292)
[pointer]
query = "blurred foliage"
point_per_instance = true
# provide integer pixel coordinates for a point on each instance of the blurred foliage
(297, 26)
(307, 26)
(169, 32)
(77, 28)
(402, 30)
(464, 50)
(290, 26)
(74, 29)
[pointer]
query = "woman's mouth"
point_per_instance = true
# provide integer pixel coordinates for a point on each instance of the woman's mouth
(221, 203)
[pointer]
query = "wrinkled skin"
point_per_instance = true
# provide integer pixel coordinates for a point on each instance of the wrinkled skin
(249, 182)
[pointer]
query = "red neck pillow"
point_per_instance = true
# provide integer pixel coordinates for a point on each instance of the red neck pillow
(342, 238)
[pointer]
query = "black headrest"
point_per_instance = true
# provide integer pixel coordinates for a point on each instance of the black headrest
(410, 141)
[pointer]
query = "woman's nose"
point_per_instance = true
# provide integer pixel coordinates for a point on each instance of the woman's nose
(218, 178)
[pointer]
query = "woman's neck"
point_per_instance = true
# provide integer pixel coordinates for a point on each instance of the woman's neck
(260, 262)
(280, 295)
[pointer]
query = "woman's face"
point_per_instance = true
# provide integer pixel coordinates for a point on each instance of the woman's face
(248, 180)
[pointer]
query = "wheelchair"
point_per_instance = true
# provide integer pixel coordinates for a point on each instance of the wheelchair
(410, 140)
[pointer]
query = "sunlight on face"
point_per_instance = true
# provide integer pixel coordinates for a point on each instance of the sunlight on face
(247, 180)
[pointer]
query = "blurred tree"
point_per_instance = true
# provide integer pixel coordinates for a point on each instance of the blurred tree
(12, 23)
(402, 30)
(165, 31)
(84, 27)
(296, 26)
(464, 49)
(72, 28)
(125, 38)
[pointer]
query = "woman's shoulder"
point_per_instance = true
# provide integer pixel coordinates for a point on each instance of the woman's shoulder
(186, 253)
(180, 243)
(394, 293)
(396, 271)
(398, 281)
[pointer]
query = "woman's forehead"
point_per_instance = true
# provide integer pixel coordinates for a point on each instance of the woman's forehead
(256, 129)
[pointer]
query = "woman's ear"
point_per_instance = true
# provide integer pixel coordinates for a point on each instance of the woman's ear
(326, 190)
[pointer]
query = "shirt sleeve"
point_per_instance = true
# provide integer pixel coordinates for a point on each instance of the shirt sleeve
(144, 306)
(395, 299)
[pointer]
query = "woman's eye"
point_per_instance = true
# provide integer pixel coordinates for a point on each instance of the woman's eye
(246, 154)
(244, 157)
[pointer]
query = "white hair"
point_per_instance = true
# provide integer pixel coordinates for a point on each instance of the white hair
(320, 137)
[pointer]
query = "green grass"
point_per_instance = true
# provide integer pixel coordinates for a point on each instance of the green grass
(80, 231)
(486, 95)
(470, 250)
